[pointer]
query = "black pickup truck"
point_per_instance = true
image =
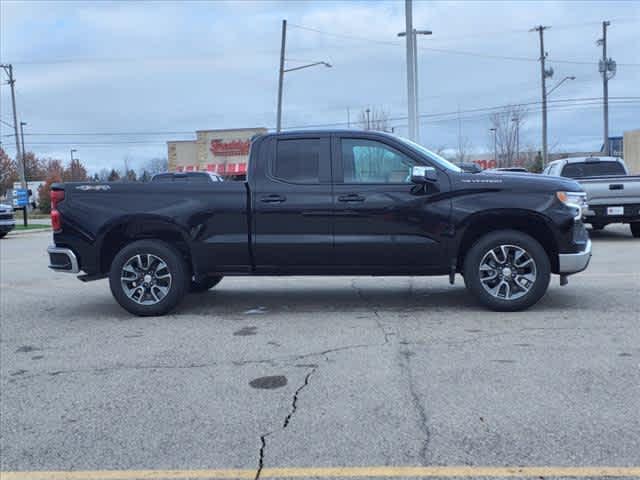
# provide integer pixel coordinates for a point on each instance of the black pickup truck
(324, 203)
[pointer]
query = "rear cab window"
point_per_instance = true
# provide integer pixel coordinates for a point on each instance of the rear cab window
(592, 169)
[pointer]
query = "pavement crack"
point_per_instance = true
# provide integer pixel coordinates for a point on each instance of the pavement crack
(263, 446)
(287, 421)
(294, 402)
(378, 319)
(405, 365)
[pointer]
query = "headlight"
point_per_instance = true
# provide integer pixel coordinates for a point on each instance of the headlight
(577, 200)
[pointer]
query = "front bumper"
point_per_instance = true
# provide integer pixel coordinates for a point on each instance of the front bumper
(63, 260)
(7, 225)
(574, 262)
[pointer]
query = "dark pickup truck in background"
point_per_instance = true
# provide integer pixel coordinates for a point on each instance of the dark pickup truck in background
(324, 203)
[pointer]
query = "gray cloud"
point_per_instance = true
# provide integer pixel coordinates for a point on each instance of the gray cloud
(146, 67)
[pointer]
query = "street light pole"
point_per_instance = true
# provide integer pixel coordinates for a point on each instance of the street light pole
(414, 40)
(411, 82)
(283, 70)
(560, 83)
(281, 74)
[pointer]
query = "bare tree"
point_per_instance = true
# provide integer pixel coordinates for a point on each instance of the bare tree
(372, 118)
(508, 124)
(464, 149)
(155, 165)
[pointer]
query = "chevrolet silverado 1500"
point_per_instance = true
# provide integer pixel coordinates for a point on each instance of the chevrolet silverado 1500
(324, 203)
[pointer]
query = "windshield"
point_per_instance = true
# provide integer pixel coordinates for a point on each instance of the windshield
(443, 162)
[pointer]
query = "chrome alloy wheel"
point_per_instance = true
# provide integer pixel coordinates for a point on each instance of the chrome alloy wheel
(507, 272)
(145, 279)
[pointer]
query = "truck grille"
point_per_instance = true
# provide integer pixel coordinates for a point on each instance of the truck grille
(6, 216)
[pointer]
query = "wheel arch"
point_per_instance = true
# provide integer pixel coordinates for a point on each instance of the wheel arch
(128, 230)
(531, 223)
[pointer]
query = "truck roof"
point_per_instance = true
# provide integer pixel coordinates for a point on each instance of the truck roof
(593, 158)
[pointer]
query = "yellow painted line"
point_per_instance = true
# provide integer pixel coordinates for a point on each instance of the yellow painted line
(332, 472)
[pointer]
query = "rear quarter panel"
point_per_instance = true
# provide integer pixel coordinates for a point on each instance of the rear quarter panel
(211, 218)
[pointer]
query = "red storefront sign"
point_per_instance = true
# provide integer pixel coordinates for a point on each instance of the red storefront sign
(231, 148)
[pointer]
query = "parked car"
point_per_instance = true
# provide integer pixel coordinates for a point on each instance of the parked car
(324, 203)
(7, 222)
(612, 194)
(208, 177)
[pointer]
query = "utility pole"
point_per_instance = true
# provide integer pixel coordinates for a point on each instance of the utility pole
(73, 167)
(495, 144)
(544, 73)
(605, 66)
(368, 110)
(516, 120)
(411, 82)
(24, 152)
(281, 75)
(19, 158)
(415, 82)
(348, 118)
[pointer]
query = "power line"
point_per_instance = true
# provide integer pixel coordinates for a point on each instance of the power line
(443, 50)
(530, 107)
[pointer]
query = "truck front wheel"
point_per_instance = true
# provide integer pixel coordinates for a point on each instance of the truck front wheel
(148, 277)
(507, 270)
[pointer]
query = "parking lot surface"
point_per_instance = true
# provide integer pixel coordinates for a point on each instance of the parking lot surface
(317, 373)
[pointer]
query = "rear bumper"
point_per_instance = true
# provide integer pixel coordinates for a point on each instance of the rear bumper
(63, 260)
(574, 262)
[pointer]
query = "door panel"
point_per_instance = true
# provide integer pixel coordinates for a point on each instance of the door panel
(292, 205)
(380, 218)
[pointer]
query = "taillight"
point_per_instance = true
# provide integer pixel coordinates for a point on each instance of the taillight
(57, 196)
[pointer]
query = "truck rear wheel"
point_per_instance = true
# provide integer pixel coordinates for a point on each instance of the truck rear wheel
(148, 277)
(205, 284)
(507, 270)
(635, 229)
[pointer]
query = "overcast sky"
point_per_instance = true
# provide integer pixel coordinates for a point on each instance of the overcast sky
(150, 70)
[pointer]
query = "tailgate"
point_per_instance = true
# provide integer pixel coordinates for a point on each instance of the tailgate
(612, 190)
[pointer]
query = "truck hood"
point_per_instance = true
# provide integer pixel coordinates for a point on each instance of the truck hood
(520, 181)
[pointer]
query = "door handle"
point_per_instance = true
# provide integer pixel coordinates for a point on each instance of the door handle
(351, 197)
(273, 198)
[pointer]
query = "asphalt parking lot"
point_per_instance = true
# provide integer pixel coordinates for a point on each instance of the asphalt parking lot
(310, 374)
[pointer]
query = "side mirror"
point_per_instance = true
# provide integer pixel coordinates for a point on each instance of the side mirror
(421, 175)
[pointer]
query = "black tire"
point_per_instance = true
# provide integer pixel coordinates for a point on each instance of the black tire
(635, 229)
(3, 234)
(175, 265)
(480, 250)
(205, 284)
(597, 226)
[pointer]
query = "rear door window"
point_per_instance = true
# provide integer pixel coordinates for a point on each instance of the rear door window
(298, 160)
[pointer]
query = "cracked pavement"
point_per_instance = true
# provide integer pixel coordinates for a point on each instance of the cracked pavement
(379, 371)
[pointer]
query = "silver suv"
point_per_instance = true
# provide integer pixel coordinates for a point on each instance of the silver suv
(7, 223)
